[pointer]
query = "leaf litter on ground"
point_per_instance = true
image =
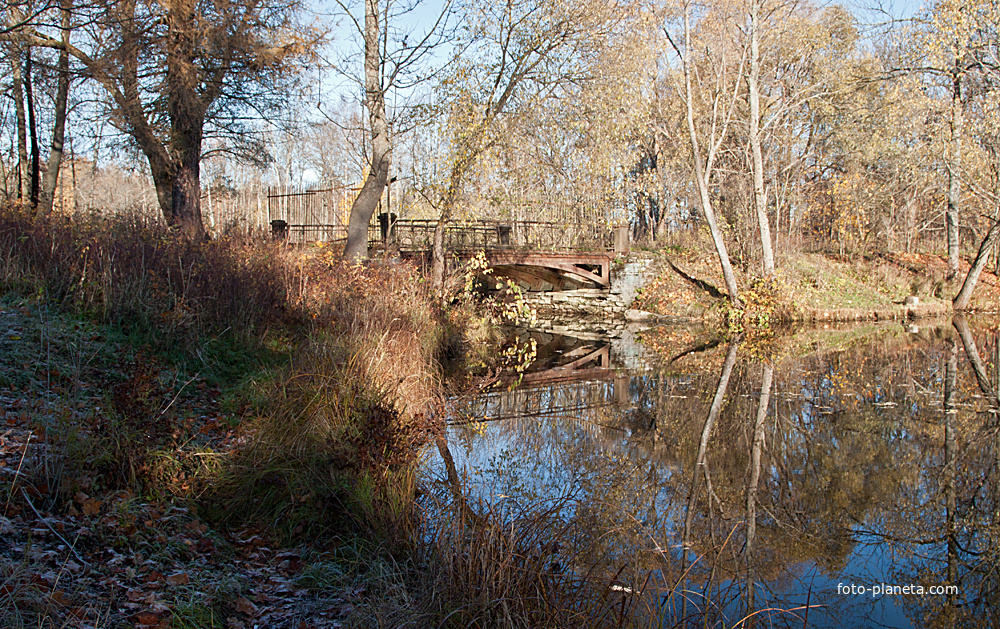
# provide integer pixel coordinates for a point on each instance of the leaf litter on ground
(74, 553)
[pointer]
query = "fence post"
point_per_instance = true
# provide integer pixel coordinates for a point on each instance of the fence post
(621, 239)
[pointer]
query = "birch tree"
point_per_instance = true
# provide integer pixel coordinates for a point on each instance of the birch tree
(709, 93)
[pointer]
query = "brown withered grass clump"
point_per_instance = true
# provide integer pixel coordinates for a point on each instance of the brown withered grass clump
(383, 315)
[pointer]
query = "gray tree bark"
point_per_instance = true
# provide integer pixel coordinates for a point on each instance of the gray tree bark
(378, 167)
(759, 193)
(954, 164)
(961, 301)
(22, 122)
(703, 171)
(47, 197)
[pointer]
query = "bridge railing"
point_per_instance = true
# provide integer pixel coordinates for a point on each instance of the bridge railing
(418, 234)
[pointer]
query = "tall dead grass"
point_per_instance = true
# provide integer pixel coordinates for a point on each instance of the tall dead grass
(338, 420)
(130, 271)
(510, 565)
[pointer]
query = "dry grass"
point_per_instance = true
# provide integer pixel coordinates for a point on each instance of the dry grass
(813, 287)
(131, 272)
(337, 428)
(326, 440)
(339, 420)
(493, 566)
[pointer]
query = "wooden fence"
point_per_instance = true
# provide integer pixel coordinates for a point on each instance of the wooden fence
(312, 215)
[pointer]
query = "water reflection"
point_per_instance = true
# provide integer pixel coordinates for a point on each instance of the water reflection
(721, 489)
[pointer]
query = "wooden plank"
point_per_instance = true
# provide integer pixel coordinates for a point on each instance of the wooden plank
(569, 264)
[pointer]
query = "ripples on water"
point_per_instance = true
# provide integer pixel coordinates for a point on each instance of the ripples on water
(875, 464)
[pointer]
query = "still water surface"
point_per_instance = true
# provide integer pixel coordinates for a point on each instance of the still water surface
(824, 480)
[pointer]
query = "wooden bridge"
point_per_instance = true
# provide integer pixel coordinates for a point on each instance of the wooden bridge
(540, 255)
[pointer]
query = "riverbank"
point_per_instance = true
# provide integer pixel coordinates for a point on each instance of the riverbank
(226, 434)
(813, 287)
(203, 434)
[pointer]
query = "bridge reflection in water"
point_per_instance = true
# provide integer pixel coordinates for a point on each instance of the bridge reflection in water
(569, 377)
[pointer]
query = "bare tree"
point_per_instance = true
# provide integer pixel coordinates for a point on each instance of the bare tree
(990, 240)
(722, 93)
(48, 191)
(14, 57)
(387, 64)
(757, 158)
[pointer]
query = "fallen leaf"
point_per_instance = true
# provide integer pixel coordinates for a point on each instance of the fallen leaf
(91, 507)
(245, 607)
(179, 578)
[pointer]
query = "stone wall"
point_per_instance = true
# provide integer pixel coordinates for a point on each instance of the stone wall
(593, 312)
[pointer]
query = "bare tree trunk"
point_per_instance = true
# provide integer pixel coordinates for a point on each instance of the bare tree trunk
(33, 183)
(187, 122)
(438, 253)
(22, 125)
(759, 193)
(163, 182)
(469, 152)
(954, 163)
(703, 171)
(367, 200)
(186, 198)
(59, 126)
(961, 301)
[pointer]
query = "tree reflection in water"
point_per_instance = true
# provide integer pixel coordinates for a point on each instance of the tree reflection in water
(718, 489)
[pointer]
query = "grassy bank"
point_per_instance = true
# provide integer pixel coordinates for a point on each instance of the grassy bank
(180, 419)
(811, 287)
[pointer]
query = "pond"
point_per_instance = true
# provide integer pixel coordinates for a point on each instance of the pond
(831, 477)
